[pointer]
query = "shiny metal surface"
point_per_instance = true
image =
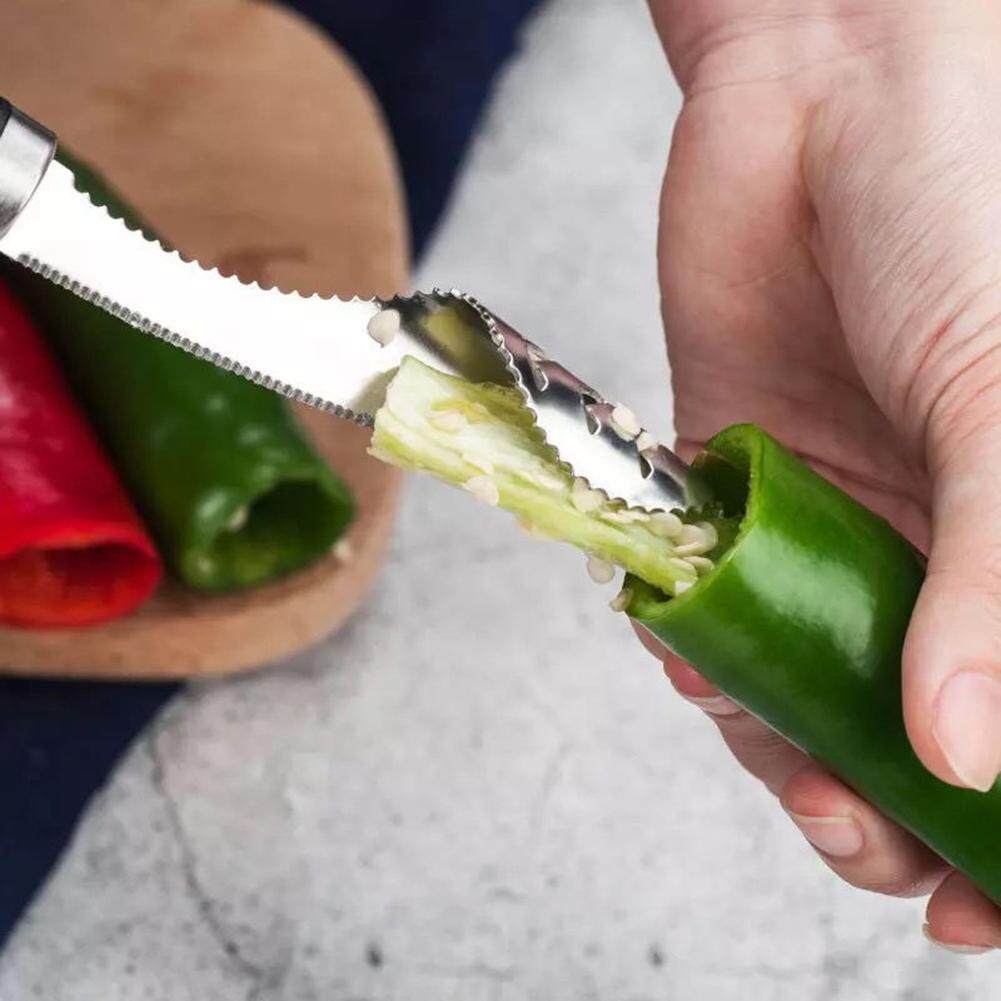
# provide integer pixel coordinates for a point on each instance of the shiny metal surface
(26, 149)
(316, 349)
(576, 420)
(328, 361)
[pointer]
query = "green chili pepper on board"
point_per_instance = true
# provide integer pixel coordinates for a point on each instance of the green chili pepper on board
(232, 490)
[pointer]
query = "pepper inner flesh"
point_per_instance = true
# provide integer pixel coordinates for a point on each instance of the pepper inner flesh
(480, 436)
(72, 585)
(276, 533)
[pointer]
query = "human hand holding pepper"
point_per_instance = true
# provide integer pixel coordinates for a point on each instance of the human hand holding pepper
(830, 265)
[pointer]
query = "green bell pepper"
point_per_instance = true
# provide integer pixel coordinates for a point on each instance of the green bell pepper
(232, 490)
(802, 622)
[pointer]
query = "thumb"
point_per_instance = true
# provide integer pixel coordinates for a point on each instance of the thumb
(952, 655)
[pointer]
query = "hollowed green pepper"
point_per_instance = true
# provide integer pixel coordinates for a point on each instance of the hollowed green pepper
(232, 490)
(802, 622)
(799, 613)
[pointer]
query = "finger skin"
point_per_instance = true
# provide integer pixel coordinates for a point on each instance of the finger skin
(890, 860)
(863, 353)
(961, 918)
(687, 681)
(954, 631)
(650, 642)
(759, 749)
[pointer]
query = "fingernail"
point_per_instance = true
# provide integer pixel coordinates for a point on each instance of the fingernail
(963, 950)
(716, 705)
(966, 727)
(839, 837)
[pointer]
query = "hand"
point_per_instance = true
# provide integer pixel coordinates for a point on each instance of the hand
(831, 269)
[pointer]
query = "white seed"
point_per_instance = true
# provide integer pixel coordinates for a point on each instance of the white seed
(483, 489)
(476, 412)
(448, 420)
(681, 587)
(646, 442)
(384, 326)
(238, 519)
(621, 601)
(625, 516)
(481, 463)
(584, 499)
(696, 540)
(204, 565)
(683, 567)
(599, 570)
(666, 525)
(344, 550)
(701, 564)
(543, 477)
(625, 423)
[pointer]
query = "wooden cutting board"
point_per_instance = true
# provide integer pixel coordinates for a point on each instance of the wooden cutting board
(247, 140)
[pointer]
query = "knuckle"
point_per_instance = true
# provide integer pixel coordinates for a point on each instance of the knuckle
(890, 874)
(803, 787)
(748, 730)
(955, 387)
(975, 578)
(893, 884)
(760, 751)
(874, 875)
(753, 742)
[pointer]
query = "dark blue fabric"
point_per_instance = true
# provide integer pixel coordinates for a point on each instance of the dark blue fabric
(431, 62)
(58, 742)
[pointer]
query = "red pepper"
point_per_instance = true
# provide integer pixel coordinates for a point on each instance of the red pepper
(73, 550)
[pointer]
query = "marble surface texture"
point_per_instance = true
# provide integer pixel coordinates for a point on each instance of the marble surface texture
(482, 790)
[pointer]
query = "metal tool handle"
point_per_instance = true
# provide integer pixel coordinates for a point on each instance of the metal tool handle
(26, 150)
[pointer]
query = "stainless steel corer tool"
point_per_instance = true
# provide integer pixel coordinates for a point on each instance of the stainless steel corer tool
(331, 354)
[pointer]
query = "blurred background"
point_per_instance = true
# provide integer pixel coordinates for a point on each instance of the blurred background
(482, 788)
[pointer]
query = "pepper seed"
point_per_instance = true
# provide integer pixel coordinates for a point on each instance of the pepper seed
(384, 326)
(448, 420)
(625, 423)
(483, 489)
(599, 570)
(646, 442)
(484, 465)
(666, 525)
(238, 519)
(696, 540)
(584, 499)
(701, 564)
(621, 601)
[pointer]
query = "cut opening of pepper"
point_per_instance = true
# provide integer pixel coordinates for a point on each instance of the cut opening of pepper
(277, 532)
(74, 585)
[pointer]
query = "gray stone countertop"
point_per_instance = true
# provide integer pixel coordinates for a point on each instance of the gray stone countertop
(483, 789)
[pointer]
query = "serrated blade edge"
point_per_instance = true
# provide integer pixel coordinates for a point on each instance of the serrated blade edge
(309, 348)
